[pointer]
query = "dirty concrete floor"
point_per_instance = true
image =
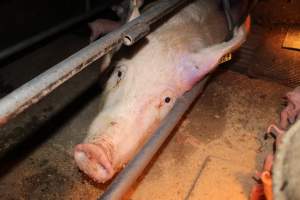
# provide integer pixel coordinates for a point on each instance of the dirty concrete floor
(213, 153)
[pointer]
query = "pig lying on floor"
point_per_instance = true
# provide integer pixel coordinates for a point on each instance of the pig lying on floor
(144, 87)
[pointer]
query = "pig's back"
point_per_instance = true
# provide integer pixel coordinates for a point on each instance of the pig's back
(199, 24)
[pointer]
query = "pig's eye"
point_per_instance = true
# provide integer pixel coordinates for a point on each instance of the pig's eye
(119, 74)
(120, 71)
(166, 102)
(167, 99)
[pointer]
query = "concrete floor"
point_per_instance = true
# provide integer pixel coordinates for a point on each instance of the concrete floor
(213, 153)
(219, 145)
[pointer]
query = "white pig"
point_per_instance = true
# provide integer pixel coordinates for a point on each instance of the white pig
(144, 87)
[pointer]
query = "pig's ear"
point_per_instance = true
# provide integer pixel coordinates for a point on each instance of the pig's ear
(204, 61)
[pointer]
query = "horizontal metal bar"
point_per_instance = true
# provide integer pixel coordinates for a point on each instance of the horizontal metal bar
(34, 90)
(134, 169)
(50, 32)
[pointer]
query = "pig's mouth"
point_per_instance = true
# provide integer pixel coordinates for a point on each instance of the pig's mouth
(93, 161)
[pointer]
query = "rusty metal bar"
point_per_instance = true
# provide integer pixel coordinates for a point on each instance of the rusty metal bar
(34, 90)
(134, 169)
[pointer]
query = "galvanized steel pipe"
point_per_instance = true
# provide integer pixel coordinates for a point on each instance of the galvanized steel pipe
(134, 169)
(34, 90)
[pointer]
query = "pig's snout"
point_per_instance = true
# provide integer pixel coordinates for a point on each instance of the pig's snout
(93, 160)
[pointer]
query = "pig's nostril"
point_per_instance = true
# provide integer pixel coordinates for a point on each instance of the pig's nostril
(101, 170)
(80, 156)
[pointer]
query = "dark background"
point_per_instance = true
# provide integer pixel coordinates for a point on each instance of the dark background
(22, 19)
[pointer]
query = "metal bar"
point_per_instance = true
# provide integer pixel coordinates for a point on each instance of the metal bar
(34, 90)
(133, 170)
(52, 31)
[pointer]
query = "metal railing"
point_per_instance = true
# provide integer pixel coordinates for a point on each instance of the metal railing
(39, 87)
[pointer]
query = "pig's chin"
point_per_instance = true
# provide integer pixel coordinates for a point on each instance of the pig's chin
(93, 161)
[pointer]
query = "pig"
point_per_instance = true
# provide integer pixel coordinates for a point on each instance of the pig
(288, 115)
(144, 87)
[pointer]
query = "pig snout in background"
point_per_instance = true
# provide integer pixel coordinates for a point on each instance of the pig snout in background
(143, 88)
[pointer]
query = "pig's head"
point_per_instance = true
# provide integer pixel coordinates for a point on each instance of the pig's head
(140, 93)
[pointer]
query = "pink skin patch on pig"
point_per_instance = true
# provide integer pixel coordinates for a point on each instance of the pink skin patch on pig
(287, 116)
(192, 68)
(93, 160)
(188, 72)
(290, 114)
